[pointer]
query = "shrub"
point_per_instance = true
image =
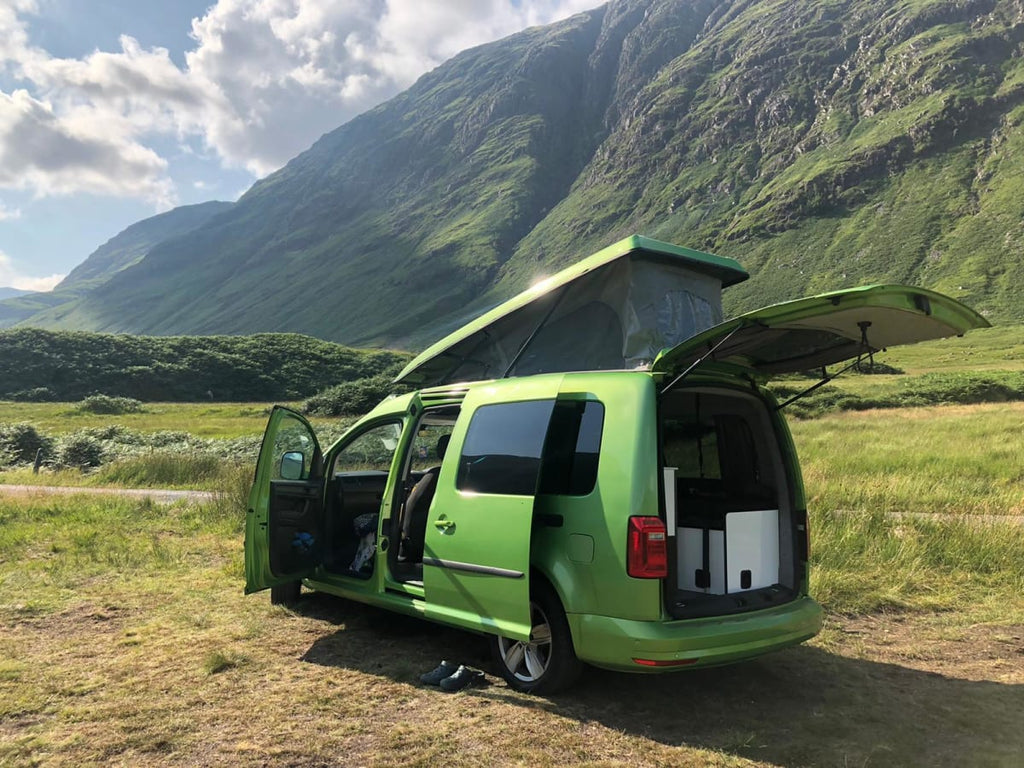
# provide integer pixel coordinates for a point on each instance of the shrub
(107, 405)
(929, 389)
(352, 397)
(34, 395)
(875, 369)
(20, 442)
(78, 450)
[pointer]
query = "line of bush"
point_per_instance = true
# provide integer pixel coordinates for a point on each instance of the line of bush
(967, 388)
(350, 398)
(128, 452)
(70, 365)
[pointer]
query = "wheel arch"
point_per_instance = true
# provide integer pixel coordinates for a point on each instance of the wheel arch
(538, 578)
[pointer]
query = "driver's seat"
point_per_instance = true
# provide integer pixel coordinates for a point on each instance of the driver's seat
(417, 506)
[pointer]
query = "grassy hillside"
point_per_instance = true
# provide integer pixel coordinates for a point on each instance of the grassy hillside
(822, 144)
(120, 252)
(45, 365)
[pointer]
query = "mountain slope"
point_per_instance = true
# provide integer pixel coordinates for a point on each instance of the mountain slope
(126, 248)
(822, 144)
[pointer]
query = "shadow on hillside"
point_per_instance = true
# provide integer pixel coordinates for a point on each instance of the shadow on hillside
(801, 706)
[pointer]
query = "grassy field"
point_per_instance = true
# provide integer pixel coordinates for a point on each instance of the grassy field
(946, 459)
(125, 638)
(212, 420)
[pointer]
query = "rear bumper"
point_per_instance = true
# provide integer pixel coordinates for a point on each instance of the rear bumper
(692, 643)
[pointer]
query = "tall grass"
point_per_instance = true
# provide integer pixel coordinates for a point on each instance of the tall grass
(162, 469)
(52, 549)
(868, 562)
(950, 460)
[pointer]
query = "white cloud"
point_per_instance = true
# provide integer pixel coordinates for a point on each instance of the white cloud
(12, 278)
(294, 69)
(8, 213)
(53, 155)
(266, 78)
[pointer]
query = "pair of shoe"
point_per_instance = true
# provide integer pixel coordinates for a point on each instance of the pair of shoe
(451, 677)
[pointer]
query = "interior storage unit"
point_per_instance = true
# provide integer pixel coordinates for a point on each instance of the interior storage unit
(727, 500)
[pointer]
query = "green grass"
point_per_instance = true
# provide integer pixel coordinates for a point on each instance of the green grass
(1000, 348)
(214, 420)
(950, 460)
(125, 638)
(983, 366)
(164, 469)
(867, 563)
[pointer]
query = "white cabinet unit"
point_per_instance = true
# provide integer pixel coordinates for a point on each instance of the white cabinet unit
(752, 549)
(690, 560)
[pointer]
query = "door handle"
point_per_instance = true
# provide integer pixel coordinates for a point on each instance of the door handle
(444, 525)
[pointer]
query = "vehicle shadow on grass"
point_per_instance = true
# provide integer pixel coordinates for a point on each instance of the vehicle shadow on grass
(801, 706)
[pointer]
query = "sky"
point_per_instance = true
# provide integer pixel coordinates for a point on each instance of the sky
(112, 111)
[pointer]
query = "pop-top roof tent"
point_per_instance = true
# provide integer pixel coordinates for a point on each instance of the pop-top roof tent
(614, 310)
(643, 304)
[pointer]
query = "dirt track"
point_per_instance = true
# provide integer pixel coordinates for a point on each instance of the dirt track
(158, 495)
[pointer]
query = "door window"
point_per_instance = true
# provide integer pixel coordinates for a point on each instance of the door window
(503, 447)
(293, 450)
(573, 448)
(372, 450)
(431, 441)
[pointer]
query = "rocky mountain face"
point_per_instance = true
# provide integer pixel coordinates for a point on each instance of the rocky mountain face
(120, 252)
(822, 143)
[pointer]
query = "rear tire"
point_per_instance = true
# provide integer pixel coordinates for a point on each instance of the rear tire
(285, 594)
(546, 663)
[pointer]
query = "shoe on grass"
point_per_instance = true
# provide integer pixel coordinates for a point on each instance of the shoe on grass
(463, 677)
(440, 672)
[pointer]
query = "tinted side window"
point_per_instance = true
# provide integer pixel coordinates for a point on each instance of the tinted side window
(573, 448)
(503, 446)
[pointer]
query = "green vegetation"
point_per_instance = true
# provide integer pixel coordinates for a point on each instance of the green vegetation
(985, 366)
(125, 636)
(351, 398)
(822, 145)
(107, 369)
(118, 253)
(115, 455)
(961, 460)
(207, 420)
(106, 404)
(869, 563)
(903, 392)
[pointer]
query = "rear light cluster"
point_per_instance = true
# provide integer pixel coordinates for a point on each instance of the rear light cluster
(647, 548)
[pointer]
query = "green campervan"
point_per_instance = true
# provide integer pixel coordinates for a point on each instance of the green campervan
(590, 473)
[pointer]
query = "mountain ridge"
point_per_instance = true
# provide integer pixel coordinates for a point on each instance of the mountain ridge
(821, 144)
(124, 249)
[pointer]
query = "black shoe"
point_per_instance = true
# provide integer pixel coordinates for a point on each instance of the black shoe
(444, 670)
(464, 676)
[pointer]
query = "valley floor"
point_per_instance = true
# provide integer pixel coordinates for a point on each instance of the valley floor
(125, 638)
(220, 679)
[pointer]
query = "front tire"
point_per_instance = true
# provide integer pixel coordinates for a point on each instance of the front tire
(285, 594)
(547, 662)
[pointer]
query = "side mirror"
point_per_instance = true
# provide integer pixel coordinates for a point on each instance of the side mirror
(293, 465)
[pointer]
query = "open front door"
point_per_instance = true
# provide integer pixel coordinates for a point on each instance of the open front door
(821, 330)
(283, 522)
(476, 558)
